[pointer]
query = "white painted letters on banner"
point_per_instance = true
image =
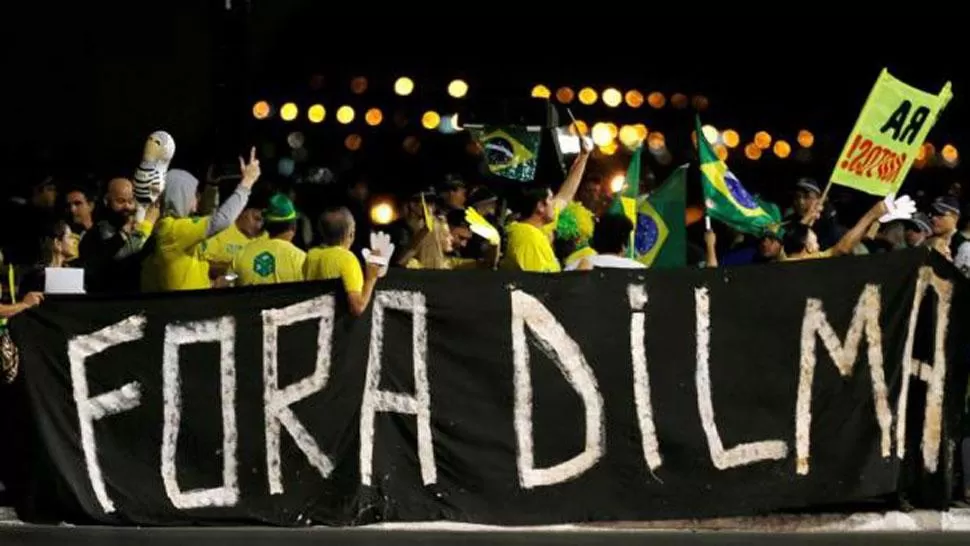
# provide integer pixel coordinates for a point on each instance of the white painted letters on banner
(223, 332)
(556, 344)
(741, 454)
(375, 400)
(933, 375)
(90, 409)
(278, 401)
(641, 378)
(815, 324)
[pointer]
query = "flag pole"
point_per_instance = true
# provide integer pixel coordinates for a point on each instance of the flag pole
(822, 199)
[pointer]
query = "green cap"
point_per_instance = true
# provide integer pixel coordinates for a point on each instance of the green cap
(280, 210)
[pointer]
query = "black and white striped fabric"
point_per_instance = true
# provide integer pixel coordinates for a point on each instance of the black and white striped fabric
(149, 179)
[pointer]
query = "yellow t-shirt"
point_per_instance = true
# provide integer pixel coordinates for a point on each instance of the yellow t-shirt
(269, 261)
(529, 249)
(827, 253)
(585, 252)
(223, 247)
(335, 262)
(178, 262)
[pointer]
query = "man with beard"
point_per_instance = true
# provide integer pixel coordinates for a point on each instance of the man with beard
(112, 250)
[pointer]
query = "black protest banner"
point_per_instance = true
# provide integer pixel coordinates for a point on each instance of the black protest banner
(506, 399)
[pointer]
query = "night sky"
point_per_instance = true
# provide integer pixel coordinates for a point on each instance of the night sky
(83, 90)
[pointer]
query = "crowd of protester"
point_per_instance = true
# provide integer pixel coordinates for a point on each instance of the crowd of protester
(211, 235)
(240, 230)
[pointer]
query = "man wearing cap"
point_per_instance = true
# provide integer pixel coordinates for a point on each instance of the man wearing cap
(808, 209)
(276, 259)
(946, 216)
(452, 193)
(917, 229)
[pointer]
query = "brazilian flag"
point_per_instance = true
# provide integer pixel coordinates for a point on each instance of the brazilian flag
(660, 239)
(625, 201)
(511, 151)
(724, 196)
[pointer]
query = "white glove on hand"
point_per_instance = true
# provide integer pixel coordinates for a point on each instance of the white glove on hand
(898, 209)
(380, 251)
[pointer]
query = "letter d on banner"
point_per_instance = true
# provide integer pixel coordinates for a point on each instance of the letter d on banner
(561, 349)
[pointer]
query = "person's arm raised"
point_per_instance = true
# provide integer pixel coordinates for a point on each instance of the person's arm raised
(230, 210)
(571, 185)
(849, 241)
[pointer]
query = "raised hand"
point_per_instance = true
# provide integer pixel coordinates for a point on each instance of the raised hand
(897, 209)
(250, 171)
(378, 256)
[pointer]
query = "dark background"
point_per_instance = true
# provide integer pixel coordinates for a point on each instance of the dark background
(85, 84)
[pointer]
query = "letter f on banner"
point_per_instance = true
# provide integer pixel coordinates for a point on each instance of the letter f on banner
(560, 348)
(90, 409)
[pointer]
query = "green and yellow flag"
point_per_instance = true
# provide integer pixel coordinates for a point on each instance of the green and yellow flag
(510, 151)
(724, 196)
(625, 200)
(887, 136)
(660, 239)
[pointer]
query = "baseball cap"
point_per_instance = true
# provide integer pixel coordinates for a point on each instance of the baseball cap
(921, 221)
(280, 210)
(946, 204)
(808, 184)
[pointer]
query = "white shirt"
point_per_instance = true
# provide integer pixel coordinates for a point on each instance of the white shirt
(962, 259)
(608, 261)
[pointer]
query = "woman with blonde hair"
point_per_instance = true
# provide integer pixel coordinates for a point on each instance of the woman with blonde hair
(430, 247)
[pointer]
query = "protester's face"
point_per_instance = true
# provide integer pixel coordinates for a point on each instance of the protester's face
(250, 222)
(805, 201)
(769, 247)
(944, 223)
(121, 199)
(79, 207)
(461, 236)
(66, 245)
(45, 196)
(914, 238)
(456, 198)
(445, 239)
(811, 242)
(546, 209)
(591, 193)
(413, 209)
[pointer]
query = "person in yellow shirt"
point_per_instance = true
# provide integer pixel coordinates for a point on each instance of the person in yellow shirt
(801, 242)
(333, 260)
(529, 246)
(178, 262)
(223, 248)
(276, 259)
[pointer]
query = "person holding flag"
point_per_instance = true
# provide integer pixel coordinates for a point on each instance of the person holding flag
(659, 237)
(801, 242)
(529, 241)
